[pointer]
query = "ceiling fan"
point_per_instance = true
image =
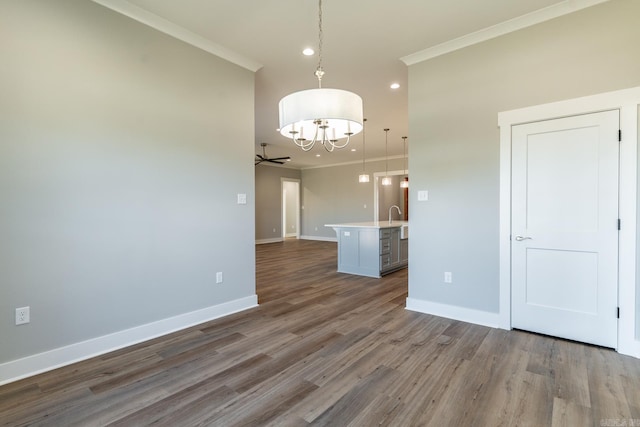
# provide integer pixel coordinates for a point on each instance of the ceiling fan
(264, 158)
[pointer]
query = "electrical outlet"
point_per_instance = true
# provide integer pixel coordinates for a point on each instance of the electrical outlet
(219, 277)
(447, 277)
(23, 315)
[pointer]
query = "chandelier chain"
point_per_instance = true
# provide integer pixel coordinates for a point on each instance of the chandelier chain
(320, 35)
(319, 71)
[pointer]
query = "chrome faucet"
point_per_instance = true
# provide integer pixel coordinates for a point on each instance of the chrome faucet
(399, 212)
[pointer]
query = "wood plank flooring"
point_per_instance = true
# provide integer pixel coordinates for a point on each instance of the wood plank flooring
(332, 349)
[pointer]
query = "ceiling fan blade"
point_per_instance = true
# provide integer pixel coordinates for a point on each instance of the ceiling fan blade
(263, 158)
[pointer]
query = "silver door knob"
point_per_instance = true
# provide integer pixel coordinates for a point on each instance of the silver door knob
(521, 238)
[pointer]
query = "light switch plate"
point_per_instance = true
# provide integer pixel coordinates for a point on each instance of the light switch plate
(242, 199)
(423, 195)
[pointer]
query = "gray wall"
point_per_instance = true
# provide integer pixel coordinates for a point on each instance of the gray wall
(333, 195)
(269, 200)
(454, 102)
(121, 154)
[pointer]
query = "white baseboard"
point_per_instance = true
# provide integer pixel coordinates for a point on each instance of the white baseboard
(320, 238)
(273, 240)
(629, 348)
(478, 317)
(38, 363)
(291, 235)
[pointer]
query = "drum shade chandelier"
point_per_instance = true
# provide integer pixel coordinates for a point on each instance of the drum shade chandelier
(327, 116)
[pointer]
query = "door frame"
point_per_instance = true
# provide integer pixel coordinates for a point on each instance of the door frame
(627, 102)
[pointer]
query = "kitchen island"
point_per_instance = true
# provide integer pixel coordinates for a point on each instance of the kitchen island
(372, 248)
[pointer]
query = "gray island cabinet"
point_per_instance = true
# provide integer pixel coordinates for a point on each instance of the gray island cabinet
(372, 249)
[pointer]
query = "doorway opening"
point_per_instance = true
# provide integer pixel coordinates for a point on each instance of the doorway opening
(290, 191)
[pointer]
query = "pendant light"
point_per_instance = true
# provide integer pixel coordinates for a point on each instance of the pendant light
(386, 180)
(405, 182)
(364, 176)
(324, 115)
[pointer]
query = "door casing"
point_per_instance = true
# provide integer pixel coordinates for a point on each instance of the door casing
(627, 102)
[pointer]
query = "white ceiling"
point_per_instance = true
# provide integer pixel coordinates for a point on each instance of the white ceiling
(364, 41)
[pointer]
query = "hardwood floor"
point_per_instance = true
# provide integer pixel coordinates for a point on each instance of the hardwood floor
(331, 349)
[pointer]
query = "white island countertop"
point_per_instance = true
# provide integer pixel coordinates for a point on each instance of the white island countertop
(369, 224)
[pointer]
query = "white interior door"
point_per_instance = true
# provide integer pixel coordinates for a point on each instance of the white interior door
(564, 230)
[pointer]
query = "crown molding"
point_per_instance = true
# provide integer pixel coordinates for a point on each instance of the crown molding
(564, 8)
(354, 162)
(154, 21)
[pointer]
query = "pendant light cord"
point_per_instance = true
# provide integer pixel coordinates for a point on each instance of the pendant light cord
(404, 152)
(364, 121)
(386, 152)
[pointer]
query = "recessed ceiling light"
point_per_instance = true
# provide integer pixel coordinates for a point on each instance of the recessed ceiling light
(353, 149)
(317, 155)
(394, 85)
(308, 52)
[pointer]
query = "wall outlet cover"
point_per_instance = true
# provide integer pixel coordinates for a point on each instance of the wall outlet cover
(23, 315)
